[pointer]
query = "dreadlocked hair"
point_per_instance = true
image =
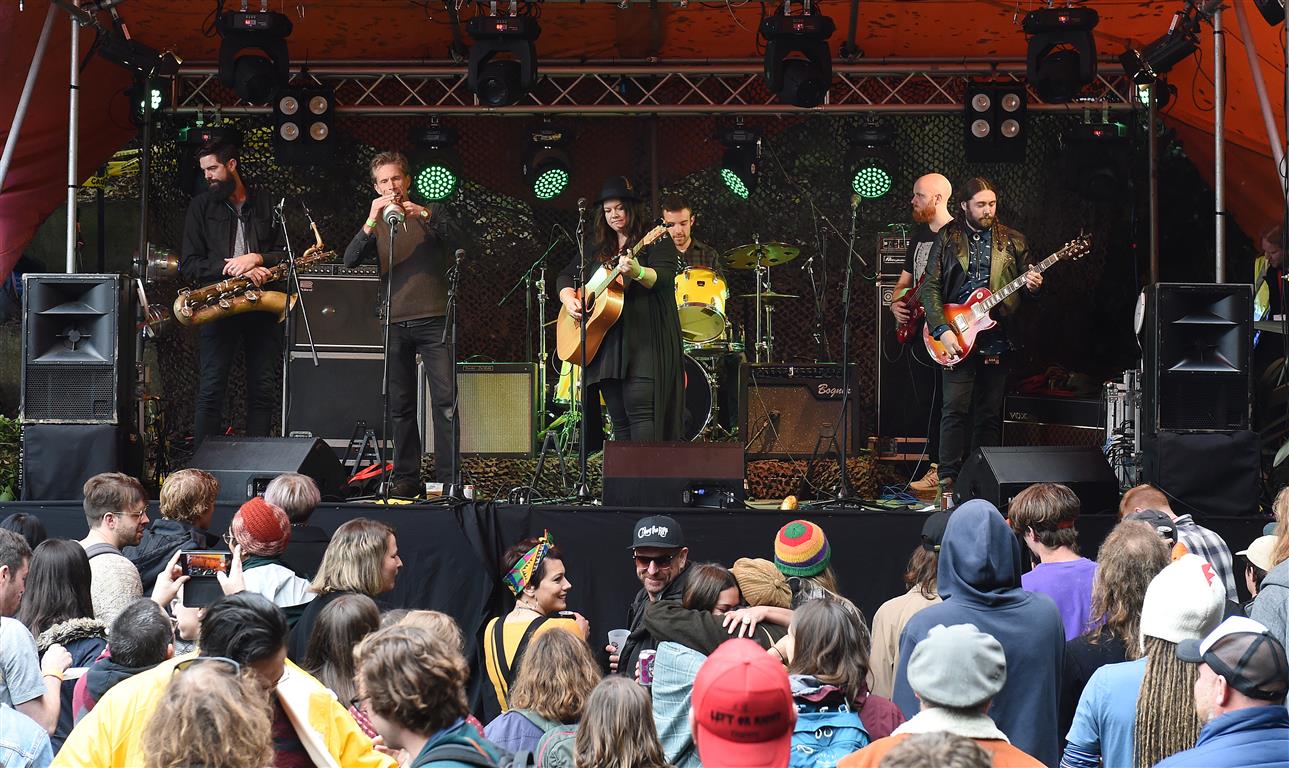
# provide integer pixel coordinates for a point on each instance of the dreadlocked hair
(1166, 719)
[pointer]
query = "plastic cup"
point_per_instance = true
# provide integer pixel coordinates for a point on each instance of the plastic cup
(617, 637)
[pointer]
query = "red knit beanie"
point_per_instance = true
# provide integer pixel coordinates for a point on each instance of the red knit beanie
(261, 528)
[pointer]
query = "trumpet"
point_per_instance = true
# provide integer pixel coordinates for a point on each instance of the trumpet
(238, 294)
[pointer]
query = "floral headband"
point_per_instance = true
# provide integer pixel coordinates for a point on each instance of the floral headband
(522, 573)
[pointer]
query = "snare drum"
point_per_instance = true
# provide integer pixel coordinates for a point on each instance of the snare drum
(700, 301)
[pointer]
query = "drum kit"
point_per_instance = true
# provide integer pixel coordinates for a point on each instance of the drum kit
(713, 356)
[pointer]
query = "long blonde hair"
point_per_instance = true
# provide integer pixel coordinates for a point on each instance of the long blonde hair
(1129, 558)
(617, 728)
(352, 562)
(556, 678)
(211, 717)
(1281, 508)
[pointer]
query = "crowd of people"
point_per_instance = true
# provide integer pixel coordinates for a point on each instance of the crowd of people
(1009, 648)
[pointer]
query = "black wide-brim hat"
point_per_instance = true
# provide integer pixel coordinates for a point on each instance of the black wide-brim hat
(618, 188)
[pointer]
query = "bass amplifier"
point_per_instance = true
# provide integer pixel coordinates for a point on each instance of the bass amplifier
(496, 409)
(319, 410)
(785, 409)
(344, 311)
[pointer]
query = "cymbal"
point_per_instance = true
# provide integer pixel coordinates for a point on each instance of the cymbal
(769, 296)
(760, 254)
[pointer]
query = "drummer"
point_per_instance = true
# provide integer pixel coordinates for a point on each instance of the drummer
(677, 214)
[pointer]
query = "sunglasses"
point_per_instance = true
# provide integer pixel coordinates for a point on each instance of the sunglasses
(662, 561)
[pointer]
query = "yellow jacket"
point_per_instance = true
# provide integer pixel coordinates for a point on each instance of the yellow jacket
(112, 733)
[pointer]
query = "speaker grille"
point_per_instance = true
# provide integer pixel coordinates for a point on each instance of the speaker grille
(786, 414)
(54, 393)
(496, 405)
(70, 348)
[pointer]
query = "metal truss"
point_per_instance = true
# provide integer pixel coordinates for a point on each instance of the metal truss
(394, 88)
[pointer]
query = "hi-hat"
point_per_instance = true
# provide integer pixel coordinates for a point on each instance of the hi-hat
(760, 254)
(769, 296)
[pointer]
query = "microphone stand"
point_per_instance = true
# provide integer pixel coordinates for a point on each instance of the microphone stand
(292, 289)
(583, 491)
(821, 347)
(454, 491)
(844, 492)
(392, 217)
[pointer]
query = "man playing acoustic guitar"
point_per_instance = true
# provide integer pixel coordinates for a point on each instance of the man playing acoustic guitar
(971, 253)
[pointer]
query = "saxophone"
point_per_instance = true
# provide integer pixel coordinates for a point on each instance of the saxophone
(238, 294)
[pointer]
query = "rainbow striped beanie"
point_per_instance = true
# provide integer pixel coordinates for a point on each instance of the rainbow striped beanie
(801, 549)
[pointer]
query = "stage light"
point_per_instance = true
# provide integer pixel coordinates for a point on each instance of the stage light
(994, 122)
(1145, 65)
(139, 94)
(503, 58)
(1062, 53)
(302, 132)
(798, 64)
(740, 165)
(435, 164)
(546, 162)
(1273, 11)
(253, 56)
(870, 162)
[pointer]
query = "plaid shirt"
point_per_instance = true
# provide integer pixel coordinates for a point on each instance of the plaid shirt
(1208, 545)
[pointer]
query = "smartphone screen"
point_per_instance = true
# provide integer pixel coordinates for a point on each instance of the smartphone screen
(198, 563)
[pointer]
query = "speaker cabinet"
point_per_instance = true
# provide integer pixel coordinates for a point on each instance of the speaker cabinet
(57, 459)
(343, 312)
(997, 474)
(245, 465)
(1208, 473)
(319, 410)
(496, 408)
(1196, 344)
(786, 408)
(71, 350)
(673, 474)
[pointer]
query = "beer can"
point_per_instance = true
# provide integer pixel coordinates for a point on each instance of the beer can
(646, 666)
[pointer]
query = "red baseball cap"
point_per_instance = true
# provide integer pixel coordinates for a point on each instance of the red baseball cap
(743, 712)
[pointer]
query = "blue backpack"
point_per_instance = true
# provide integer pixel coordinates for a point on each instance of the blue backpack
(824, 736)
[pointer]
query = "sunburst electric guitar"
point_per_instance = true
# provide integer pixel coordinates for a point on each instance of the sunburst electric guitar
(609, 290)
(969, 319)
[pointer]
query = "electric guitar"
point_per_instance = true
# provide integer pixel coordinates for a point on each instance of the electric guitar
(969, 319)
(609, 291)
(906, 330)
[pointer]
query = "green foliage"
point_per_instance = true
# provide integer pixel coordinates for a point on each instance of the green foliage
(10, 443)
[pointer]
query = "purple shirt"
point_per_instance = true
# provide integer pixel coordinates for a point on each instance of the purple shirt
(1069, 585)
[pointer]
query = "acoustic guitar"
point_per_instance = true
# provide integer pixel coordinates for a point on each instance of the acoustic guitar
(970, 319)
(609, 291)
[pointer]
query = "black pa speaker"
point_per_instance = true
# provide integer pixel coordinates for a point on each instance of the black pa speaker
(1204, 473)
(245, 465)
(72, 349)
(57, 459)
(319, 410)
(1196, 342)
(997, 474)
(673, 475)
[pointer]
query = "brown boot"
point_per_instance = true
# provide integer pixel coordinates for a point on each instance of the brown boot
(928, 486)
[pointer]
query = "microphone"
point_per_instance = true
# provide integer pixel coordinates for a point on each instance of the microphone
(460, 254)
(393, 214)
(581, 205)
(281, 204)
(307, 215)
(854, 202)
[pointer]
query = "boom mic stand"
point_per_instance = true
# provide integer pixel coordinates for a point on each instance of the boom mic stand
(583, 491)
(292, 289)
(845, 493)
(455, 491)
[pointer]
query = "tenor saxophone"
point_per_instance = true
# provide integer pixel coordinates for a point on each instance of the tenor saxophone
(236, 295)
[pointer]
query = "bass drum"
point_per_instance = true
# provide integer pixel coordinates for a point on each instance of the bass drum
(698, 399)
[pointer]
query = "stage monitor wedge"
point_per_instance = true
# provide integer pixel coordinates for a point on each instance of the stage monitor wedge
(998, 473)
(245, 465)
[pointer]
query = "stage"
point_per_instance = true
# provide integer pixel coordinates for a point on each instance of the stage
(450, 554)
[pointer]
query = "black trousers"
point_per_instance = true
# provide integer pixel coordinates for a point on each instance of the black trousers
(406, 340)
(972, 409)
(630, 404)
(261, 338)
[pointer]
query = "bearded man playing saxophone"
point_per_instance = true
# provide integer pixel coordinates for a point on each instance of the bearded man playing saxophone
(229, 232)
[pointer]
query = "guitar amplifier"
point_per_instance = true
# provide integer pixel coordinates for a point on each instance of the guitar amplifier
(1072, 421)
(496, 409)
(344, 312)
(784, 409)
(890, 255)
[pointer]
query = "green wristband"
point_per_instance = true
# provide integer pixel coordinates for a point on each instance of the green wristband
(371, 223)
(640, 274)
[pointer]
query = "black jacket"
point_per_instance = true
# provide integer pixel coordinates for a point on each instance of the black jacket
(640, 639)
(210, 228)
(161, 539)
(304, 551)
(946, 272)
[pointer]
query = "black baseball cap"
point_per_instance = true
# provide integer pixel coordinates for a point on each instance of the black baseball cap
(1161, 522)
(933, 530)
(657, 531)
(1245, 653)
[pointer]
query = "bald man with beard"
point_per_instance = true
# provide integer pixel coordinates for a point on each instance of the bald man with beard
(930, 203)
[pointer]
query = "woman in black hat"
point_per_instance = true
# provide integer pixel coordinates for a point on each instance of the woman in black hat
(638, 366)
